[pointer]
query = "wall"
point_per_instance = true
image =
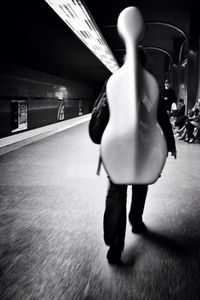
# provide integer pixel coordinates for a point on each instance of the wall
(47, 99)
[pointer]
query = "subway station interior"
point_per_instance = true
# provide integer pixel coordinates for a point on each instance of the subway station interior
(55, 56)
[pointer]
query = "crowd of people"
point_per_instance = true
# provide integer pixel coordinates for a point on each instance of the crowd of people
(186, 125)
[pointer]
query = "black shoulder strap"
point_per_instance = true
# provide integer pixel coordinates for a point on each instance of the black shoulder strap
(99, 165)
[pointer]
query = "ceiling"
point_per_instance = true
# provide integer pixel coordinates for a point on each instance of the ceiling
(33, 35)
(180, 14)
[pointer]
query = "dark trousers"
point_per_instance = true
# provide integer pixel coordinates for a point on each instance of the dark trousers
(190, 128)
(115, 212)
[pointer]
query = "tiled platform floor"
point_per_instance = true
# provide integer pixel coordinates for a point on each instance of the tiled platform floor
(51, 240)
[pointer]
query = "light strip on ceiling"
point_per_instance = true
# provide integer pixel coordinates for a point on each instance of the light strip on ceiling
(75, 15)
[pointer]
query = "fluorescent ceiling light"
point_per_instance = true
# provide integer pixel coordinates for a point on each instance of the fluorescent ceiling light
(75, 15)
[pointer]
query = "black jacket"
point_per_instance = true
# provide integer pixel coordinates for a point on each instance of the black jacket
(100, 118)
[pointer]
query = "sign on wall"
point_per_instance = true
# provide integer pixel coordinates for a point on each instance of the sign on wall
(18, 115)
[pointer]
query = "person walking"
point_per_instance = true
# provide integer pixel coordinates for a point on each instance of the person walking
(114, 220)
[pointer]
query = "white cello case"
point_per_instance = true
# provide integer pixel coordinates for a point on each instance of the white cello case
(133, 147)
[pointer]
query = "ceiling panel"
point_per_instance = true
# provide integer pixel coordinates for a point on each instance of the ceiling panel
(33, 35)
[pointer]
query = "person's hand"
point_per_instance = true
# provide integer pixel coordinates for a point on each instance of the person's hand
(174, 153)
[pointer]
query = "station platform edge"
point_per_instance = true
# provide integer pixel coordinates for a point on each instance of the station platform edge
(21, 139)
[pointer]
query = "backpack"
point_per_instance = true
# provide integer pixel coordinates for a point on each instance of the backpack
(99, 118)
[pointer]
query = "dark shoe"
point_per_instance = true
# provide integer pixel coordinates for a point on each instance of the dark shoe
(139, 227)
(114, 256)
